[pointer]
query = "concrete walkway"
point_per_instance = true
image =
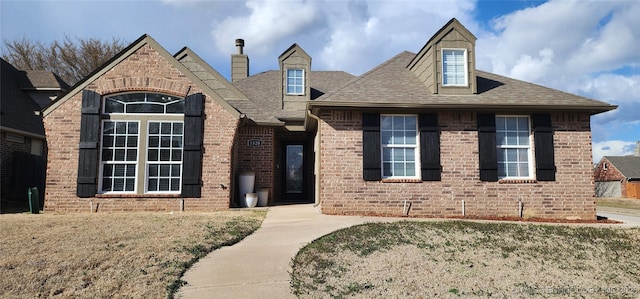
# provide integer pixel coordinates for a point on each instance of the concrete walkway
(258, 266)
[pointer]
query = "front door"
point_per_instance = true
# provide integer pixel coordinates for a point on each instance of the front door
(295, 172)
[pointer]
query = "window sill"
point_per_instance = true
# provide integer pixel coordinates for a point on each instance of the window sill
(517, 181)
(153, 195)
(401, 181)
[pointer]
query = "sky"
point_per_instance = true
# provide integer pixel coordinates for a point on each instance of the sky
(588, 48)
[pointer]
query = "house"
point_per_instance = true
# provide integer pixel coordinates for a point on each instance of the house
(22, 139)
(618, 176)
(422, 134)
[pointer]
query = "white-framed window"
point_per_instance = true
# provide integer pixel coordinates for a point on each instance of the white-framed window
(141, 144)
(164, 156)
(119, 156)
(513, 141)
(400, 146)
(454, 67)
(295, 81)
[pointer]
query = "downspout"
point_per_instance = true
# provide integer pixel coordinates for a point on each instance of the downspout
(316, 149)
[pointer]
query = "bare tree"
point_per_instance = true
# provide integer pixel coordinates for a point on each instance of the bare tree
(71, 59)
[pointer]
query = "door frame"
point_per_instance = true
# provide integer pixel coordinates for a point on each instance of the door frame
(307, 172)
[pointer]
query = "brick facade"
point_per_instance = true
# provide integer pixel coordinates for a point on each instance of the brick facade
(610, 173)
(144, 70)
(343, 191)
(257, 157)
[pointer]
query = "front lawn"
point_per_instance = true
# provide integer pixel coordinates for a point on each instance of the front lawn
(450, 259)
(130, 255)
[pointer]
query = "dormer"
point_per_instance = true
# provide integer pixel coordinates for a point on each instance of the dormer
(295, 68)
(447, 63)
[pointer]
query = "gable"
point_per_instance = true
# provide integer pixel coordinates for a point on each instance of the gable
(427, 64)
(628, 166)
(148, 67)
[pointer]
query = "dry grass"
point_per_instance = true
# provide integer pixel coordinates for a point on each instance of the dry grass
(618, 202)
(453, 259)
(134, 255)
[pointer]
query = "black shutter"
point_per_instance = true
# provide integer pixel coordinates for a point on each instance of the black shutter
(371, 147)
(192, 150)
(88, 149)
(487, 152)
(429, 147)
(543, 140)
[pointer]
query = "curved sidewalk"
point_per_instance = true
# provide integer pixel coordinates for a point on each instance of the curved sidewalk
(258, 266)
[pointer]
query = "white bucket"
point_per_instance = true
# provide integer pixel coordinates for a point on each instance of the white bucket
(247, 179)
(263, 197)
(251, 199)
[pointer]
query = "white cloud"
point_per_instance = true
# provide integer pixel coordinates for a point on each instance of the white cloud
(584, 47)
(612, 148)
(266, 24)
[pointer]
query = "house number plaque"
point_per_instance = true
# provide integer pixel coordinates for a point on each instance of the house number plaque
(254, 142)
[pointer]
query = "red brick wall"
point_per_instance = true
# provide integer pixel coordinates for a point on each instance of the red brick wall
(260, 158)
(611, 173)
(343, 191)
(144, 70)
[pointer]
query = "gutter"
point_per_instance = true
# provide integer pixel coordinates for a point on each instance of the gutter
(465, 107)
(316, 148)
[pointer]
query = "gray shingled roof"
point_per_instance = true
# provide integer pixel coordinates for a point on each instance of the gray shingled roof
(264, 89)
(16, 106)
(37, 79)
(629, 166)
(393, 84)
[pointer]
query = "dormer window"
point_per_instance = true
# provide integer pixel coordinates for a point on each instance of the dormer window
(295, 81)
(454, 67)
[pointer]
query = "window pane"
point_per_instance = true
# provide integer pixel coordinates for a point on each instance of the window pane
(119, 155)
(152, 155)
(165, 128)
(176, 155)
(153, 170)
(385, 122)
(132, 155)
(177, 128)
(175, 185)
(387, 137)
(129, 184)
(386, 154)
(386, 169)
(398, 169)
(163, 185)
(512, 155)
(153, 185)
(524, 169)
(523, 123)
(411, 169)
(113, 106)
(175, 170)
(512, 123)
(410, 155)
(121, 127)
(165, 155)
(120, 141)
(523, 138)
(154, 128)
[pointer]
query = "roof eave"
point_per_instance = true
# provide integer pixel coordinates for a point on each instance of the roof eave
(481, 107)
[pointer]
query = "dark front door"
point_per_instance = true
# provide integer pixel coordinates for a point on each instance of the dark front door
(295, 172)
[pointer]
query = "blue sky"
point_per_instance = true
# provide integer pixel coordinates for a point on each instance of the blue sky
(589, 48)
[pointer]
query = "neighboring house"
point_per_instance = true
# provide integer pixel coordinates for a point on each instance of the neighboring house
(617, 176)
(22, 140)
(422, 135)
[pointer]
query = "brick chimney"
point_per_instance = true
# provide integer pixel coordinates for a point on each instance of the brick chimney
(239, 63)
